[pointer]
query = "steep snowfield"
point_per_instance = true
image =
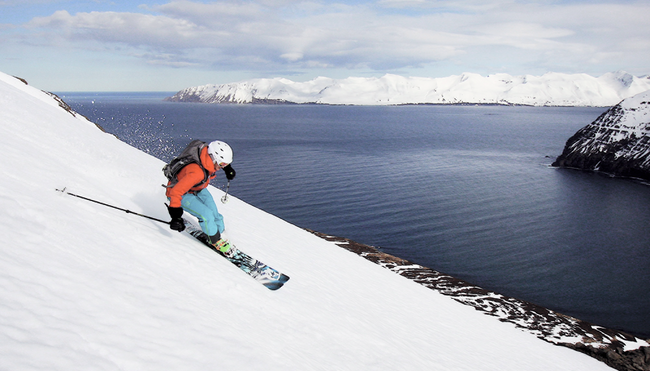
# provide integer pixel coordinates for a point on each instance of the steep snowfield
(86, 287)
(551, 89)
(637, 114)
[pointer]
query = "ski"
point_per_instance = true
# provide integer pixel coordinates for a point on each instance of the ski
(261, 272)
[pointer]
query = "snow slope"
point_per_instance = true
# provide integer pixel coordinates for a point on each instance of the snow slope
(86, 287)
(551, 89)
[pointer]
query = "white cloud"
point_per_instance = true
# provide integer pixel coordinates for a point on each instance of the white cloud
(292, 57)
(277, 34)
(128, 28)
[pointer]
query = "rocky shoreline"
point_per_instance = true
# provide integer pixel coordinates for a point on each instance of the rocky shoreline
(617, 349)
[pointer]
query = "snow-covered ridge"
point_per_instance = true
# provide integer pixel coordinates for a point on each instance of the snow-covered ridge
(551, 89)
(617, 142)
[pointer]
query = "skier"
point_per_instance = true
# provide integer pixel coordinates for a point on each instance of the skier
(189, 193)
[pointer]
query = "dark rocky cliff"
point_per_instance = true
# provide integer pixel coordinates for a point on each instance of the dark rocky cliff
(616, 143)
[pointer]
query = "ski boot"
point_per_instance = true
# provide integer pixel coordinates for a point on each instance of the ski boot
(224, 247)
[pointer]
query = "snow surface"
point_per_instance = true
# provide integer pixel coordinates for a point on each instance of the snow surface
(551, 89)
(636, 114)
(87, 287)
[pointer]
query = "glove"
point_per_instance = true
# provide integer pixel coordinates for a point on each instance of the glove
(230, 172)
(177, 223)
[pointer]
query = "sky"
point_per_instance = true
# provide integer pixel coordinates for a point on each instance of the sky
(161, 45)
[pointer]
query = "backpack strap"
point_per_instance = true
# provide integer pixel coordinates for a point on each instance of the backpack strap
(206, 173)
(191, 154)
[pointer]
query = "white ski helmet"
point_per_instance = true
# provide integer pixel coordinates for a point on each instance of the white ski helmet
(220, 152)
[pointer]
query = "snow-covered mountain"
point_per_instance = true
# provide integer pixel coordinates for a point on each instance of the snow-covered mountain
(617, 142)
(88, 287)
(551, 89)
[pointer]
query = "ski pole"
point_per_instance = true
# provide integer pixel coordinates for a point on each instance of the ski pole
(114, 207)
(224, 199)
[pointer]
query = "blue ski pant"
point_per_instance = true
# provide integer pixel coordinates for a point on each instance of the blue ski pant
(201, 205)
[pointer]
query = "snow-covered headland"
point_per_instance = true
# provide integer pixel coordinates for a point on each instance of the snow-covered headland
(617, 142)
(87, 287)
(551, 89)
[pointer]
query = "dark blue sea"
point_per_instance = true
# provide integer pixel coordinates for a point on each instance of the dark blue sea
(465, 190)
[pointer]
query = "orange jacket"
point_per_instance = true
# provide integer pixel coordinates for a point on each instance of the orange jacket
(189, 176)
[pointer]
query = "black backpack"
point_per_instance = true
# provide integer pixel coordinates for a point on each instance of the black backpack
(190, 155)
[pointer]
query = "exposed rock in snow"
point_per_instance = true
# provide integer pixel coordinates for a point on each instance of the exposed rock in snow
(551, 89)
(617, 143)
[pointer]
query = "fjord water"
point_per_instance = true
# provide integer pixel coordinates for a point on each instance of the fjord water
(466, 190)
